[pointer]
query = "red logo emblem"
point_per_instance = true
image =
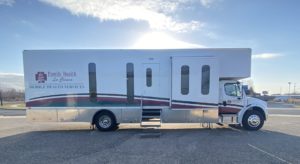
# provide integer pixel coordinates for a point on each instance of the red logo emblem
(40, 77)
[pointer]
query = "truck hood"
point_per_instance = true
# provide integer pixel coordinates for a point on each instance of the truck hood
(256, 102)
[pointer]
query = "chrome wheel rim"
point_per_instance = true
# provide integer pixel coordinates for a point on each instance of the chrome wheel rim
(254, 121)
(105, 121)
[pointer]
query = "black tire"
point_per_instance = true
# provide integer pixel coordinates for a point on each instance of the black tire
(105, 121)
(253, 120)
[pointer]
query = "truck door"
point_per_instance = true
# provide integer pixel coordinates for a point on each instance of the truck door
(150, 80)
(195, 82)
(231, 100)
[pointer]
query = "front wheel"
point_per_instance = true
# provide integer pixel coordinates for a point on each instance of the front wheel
(253, 120)
(105, 121)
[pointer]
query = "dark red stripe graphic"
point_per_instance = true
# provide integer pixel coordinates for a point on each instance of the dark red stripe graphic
(85, 101)
(100, 101)
(183, 106)
(228, 110)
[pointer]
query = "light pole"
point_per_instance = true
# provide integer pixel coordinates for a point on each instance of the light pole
(1, 100)
(289, 96)
(280, 91)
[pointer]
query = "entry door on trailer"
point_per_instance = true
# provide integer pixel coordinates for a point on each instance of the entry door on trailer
(195, 82)
(151, 83)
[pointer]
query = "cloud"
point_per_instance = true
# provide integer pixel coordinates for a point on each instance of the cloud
(158, 13)
(159, 40)
(10, 74)
(11, 81)
(26, 23)
(266, 56)
(207, 3)
(7, 2)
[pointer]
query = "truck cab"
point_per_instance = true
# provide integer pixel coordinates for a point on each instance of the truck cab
(235, 107)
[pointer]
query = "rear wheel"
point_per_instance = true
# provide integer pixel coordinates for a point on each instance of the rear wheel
(253, 120)
(105, 121)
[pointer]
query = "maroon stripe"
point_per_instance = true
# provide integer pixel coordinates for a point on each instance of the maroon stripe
(74, 100)
(56, 100)
(228, 110)
(112, 99)
(78, 99)
(155, 103)
(181, 106)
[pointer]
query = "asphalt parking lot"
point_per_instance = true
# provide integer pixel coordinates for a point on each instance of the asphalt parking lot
(23, 142)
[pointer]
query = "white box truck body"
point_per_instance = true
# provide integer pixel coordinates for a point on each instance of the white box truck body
(108, 87)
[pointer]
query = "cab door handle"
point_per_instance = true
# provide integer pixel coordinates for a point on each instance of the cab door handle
(224, 103)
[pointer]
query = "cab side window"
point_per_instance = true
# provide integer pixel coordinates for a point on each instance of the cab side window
(232, 89)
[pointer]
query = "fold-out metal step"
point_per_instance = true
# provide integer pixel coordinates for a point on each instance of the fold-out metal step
(151, 118)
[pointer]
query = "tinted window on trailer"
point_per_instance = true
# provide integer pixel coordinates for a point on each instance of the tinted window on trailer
(92, 81)
(205, 80)
(185, 76)
(149, 77)
(130, 82)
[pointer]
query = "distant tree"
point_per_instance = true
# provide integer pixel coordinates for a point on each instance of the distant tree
(13, 95)
(265, 93)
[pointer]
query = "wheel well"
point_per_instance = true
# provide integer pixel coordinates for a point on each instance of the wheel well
(102, 111)
(259, 110)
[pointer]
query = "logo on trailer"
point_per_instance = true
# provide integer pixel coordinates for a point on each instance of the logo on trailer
(41, 77)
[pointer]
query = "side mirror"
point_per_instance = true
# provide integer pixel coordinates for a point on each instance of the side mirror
(247, 91)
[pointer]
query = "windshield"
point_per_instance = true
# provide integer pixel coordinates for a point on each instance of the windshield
(232, 89)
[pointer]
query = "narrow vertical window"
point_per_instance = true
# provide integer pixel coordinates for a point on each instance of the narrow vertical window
(130, 82)
(149, 77)
(205, 80)
(185, 78)
(92, 81)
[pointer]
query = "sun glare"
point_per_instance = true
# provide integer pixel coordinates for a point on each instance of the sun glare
(160, 40)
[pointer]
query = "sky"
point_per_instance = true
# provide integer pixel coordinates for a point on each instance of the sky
(269, 27)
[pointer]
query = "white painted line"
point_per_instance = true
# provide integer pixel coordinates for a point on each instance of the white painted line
(12, 116)
(264, 131)
(283, 115)
(234, 129)
(272, 155)
(284, 108)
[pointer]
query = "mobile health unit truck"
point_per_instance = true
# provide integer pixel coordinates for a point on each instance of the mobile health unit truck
(150, 87)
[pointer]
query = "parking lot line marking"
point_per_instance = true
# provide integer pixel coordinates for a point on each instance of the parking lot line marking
(264, 131)
(1, 116)
(270, 154)
(234, 129)
(283, 115)
(283, 109)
